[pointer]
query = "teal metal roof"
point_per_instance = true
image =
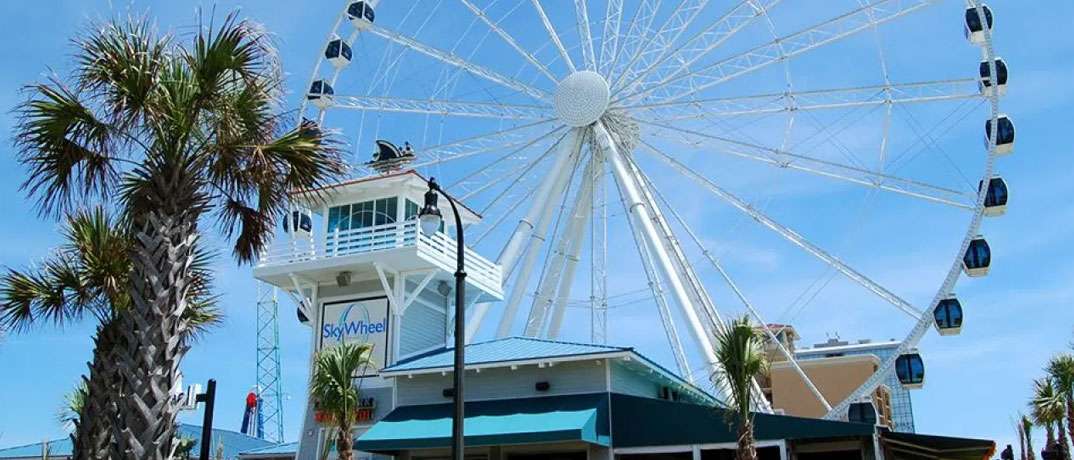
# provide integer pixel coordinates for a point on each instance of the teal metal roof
(511, 421)
(288, 448)
(683, 423)
(234, 443)
(509, 349)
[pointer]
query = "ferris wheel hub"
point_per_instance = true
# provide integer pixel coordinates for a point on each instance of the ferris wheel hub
(581, 98)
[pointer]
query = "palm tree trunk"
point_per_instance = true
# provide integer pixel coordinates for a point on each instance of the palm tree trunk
(1021, 441)
(345, 444)
(93, 429)
(746, 448)
(154, 330)
(1030, 454)
(1070, 421)
(1064, 446)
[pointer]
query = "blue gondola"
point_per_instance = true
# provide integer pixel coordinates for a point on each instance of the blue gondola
(302, 318)
(975, 27)
(862, 412)
(360, 14)
(910, 370)
(995, 203)
(948, 315)
(978, 258)
(321, 94)
(985, 81)
(338, 52)
(1004, 134)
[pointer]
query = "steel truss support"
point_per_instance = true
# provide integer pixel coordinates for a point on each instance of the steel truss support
(598, 276)
(269, 381)
(641, 214)
(443, 107)
(530, 233)
(555, 285)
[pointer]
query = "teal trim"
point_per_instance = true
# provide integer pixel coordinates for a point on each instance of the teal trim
(514, 421)
(683, 423)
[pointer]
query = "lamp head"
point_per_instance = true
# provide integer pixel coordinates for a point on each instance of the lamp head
(429, 217)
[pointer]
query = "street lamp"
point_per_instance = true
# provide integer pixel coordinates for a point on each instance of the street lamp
(430, 219)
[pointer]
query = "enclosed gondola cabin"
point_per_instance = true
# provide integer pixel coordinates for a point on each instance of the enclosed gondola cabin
(910, 370)
(975, 26)
(298, 223)
(986, 82)
(978, 258)
(948, 316)
(995, 203)
(321, 94)
(361, 14)
(338, 52)
(1004, 134)
(862, 412)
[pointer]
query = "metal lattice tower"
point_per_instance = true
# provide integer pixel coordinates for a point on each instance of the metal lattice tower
(270, 397)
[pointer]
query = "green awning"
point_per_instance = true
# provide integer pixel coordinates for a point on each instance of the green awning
(918, 446)
(515, 421)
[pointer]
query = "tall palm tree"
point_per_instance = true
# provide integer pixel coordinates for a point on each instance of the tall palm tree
(333, 392)
(1047, 408)
(87, 275)
(741, 356)
(184, 136)
(1061, 370)
(1027, 431)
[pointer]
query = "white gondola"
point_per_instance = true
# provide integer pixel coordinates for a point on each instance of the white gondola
(910, 370)
(985, 82)
(948, 316)
(360, 14)
(298, 223)
(338, 52)
(1005, 134)
(978, 258)
(321, 94)
(995, 203)
(975, 27)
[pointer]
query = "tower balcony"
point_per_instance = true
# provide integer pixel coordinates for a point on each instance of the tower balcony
(399, 246)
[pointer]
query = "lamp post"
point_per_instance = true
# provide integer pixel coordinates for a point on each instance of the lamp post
(430, 220)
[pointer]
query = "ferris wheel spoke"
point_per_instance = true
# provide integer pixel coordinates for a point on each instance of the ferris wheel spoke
(548, 27)
(636, 34)
(680, 85)
(588, 53)
(481, 143)
(495, 27)
(454, 60)
(443, 107)
(847, 173)
(660, 42)
(498, 177)
(699, 45)
(609, 38)
(826, 99)
(665, 204)
(788, 234)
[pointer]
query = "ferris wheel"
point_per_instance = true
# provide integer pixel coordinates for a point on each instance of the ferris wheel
(626, 154)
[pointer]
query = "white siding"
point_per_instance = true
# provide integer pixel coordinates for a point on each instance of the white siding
(501, 383)
(422, 327)
(630, 382)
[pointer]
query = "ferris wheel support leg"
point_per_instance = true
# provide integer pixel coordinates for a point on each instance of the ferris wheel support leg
(639, 211)
(560, 272)
(594, 179)
(531, 230)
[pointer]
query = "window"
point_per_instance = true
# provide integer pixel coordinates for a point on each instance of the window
(364, 214)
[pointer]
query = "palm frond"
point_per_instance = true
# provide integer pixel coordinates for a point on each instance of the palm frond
(1061, 370)
(332, 385)
(1047, 404)
(67, 148)
(741, 357)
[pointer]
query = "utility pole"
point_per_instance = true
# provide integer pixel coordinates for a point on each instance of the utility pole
(209, 398)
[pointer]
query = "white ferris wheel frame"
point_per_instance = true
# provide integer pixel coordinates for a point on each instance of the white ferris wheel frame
(657, 244)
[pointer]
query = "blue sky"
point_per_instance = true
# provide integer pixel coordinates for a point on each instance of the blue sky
(1017, 316)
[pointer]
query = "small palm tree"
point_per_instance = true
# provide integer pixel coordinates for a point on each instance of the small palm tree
(181, 136)
(1025, 431)
(741, 356)
(87, 275)
(1047, 408)
(333, 392)
(1061, 370)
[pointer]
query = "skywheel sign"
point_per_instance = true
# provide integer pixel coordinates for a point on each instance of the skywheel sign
(361, 321)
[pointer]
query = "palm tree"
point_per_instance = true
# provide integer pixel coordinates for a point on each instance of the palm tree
(1047, 408)
(1061, 370)
(88, 274)
(182, 136)
(333, 392)
(741, 356)
(1025, 432)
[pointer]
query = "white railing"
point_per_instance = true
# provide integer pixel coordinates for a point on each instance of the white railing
(438, 249)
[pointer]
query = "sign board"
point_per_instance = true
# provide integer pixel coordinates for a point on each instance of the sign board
(362, 321)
